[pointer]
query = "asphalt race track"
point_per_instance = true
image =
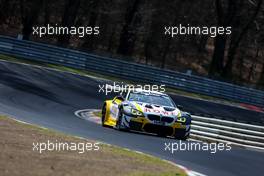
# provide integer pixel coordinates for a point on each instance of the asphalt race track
(221, 111)
(50, 98)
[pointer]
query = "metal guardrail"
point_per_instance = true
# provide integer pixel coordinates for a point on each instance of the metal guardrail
(127, 70)
(208, 130)
(239, 134)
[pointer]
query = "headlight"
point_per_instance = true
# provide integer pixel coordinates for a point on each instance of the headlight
(131, 111)
(136, 112)
(181, 119)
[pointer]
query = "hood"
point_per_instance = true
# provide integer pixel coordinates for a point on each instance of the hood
(154, 109)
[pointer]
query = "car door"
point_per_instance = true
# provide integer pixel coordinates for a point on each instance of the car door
(114, 107)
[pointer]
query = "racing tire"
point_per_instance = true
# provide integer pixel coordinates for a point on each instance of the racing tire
(182, 135)
(161, 134)
(103, 115)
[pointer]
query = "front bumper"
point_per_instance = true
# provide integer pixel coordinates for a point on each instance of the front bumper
(146, 125)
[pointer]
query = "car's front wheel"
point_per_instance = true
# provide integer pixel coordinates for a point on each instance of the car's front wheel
(161, 134)
(182, 134)
(103, 115)
(119, 120)
(119, 125)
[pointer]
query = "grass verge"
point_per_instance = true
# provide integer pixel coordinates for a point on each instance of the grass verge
(98, 113)
(18, 158)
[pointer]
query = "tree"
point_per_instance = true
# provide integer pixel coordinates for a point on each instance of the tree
(4, 4)
(30, 11)
(47, 12)
(235, 41)
(94, 12)
(128, 34)
(261, 79)
(225, 13)
(231, 13)
(70, 13)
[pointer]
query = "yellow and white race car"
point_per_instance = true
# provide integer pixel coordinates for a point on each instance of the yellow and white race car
(147, 111)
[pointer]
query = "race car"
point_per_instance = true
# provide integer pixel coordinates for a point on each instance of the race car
(146, 111)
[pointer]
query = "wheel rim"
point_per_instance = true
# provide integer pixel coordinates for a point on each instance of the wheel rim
(103, 115)
(119, 121)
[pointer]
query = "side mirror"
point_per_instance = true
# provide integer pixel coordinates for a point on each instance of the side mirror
(180, 107)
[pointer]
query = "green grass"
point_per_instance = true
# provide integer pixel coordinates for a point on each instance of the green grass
(98, 113)
(165, 168)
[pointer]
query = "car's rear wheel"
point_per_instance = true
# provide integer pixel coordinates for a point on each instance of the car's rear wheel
(103, 115)
(119, 120)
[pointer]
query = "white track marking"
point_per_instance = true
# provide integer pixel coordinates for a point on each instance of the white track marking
(88, 114)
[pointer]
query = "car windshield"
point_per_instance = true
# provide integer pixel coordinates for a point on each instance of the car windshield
(162, 100)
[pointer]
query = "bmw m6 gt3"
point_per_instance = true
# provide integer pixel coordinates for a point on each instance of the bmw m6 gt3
(147, 111)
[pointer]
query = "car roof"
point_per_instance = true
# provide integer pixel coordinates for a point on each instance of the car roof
(138, 90)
